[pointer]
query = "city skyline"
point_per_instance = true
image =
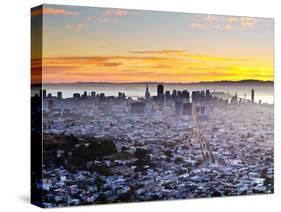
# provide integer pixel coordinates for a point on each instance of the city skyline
(84, 44)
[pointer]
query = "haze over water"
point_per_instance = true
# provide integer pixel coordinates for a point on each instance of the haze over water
(265, 93)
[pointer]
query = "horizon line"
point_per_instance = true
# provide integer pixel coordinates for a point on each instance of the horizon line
(144, 82)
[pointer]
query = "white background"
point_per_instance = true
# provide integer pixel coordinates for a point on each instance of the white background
(15, 90)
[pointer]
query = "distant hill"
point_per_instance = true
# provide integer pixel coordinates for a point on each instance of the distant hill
(241, 82)
(224, 82)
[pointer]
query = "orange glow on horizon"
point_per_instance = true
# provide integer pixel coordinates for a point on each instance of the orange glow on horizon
(165, 66)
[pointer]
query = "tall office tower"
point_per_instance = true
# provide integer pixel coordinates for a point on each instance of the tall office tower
(179, 93)
(202, 96)
(59, 95)
(85, 94)
(253, 95)
(76, 95)
(167, 95)
(147, 94)
(193, 96)
(174, 94)
(44, 93)
(160, 90)
(121, 95)
(93, 94)
(102, 97)
(185, 95)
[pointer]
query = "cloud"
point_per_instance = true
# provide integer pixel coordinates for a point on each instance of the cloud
(52, 11)
(198, 26)
(107, 20)
(228, 22)
(247, 22)
(36, 70)
(101, 61)
(112, 15)
(111, 64)
(76, 27)
(79, 26)
(210, 18)
(185, 54)
(164, 51)
(116, 12)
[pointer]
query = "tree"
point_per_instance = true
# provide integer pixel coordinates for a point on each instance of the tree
(142, 154)
(99, 183)
(216, 194)
(168, 153)
(179, 160)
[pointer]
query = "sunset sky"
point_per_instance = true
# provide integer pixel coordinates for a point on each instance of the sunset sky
(86, 44)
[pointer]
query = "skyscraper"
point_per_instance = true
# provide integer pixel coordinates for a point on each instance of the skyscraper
(93, 94)
(43, 93)
(85, 94)
(186, 95)
(147, 94)
(59, 95)
(207, 92)
(76, 95)
(160, 90)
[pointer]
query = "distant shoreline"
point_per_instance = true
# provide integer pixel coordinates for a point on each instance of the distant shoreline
(225, 82)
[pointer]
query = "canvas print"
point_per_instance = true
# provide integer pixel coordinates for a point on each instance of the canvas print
(134, 105)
